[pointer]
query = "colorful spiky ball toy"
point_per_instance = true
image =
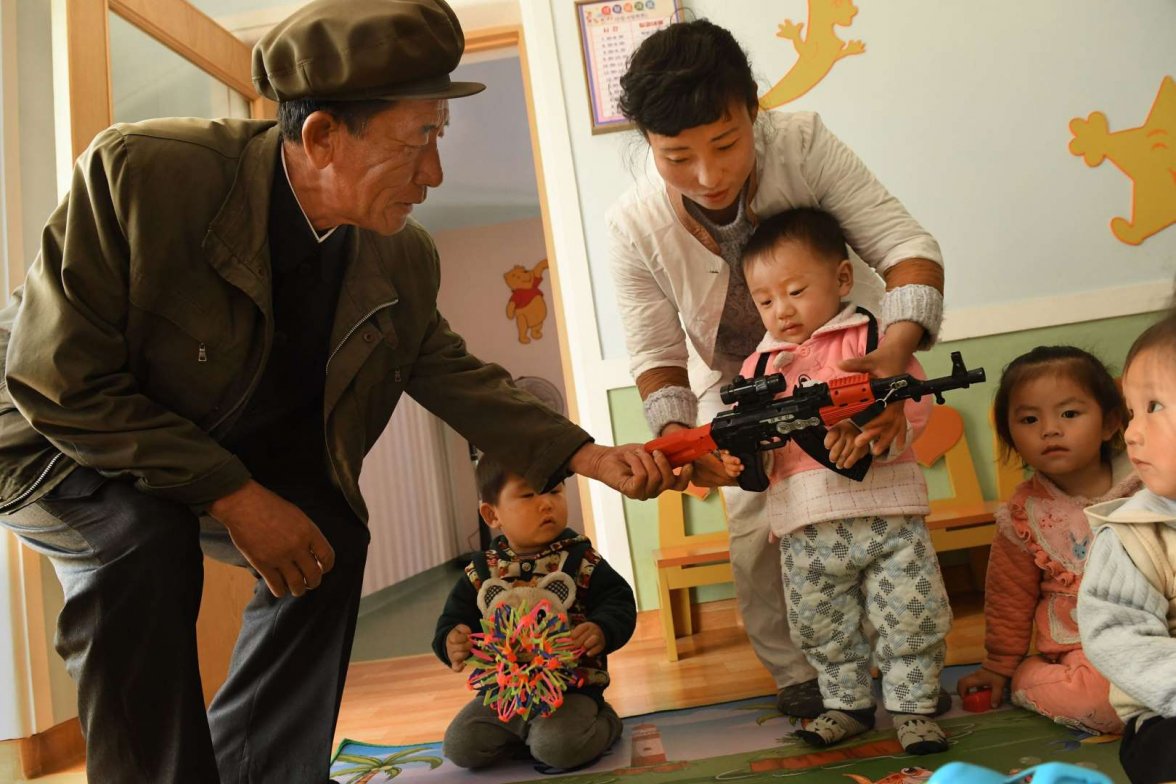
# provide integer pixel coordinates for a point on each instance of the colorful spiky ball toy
(524, 660)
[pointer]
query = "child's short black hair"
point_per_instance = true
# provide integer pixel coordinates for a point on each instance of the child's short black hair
(686, 75)
(1161, 335)
(813, 227)
(1085, 369)
(491, 476)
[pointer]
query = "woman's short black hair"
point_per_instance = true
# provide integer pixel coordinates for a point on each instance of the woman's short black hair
(686, 75)
(353, 114)
(1081, 367)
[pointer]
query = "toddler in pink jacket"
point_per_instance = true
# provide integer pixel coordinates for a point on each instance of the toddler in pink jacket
(850, 549)
(1058, 408)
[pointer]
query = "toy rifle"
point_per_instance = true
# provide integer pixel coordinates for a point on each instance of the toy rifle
(759, 421)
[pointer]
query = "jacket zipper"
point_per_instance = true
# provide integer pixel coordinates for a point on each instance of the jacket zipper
(356, 326)
(29, 491)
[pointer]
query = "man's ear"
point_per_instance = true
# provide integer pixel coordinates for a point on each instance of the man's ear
(320, 133)
(489, 514)
(845, 277)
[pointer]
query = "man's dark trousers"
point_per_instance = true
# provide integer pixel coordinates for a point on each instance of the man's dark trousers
(131, 567)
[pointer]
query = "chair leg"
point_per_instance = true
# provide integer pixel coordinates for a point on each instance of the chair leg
(978, 565)
(666, 610)
(683, 618)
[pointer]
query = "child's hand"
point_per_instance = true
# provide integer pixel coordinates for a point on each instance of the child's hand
(590, 637)
(458, 646)
(983, 677)
(843, 452)
(731, 464)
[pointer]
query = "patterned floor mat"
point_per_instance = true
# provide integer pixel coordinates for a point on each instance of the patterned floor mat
(748, 741)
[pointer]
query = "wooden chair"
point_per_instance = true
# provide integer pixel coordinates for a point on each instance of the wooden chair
(684, 562)
(963, 519)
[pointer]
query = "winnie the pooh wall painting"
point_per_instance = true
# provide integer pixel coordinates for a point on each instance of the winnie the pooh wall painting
(818, 48)
(1146, 154)
(526, 305)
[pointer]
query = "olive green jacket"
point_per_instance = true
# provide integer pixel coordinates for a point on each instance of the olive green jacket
(147, 319)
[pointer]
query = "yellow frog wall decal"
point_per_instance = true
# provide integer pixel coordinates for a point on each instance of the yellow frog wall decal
(1146, 154)
(817, 51)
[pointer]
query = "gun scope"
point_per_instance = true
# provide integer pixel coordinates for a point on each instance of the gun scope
(751, 391)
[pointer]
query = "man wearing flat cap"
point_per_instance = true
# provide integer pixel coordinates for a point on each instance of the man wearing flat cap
(221, 319)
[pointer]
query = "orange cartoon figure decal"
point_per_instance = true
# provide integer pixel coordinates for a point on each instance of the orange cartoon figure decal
(526, 305)
(1146, 154)
(817, 50)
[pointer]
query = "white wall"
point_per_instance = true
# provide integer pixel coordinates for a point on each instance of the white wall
(474, 297)
(962, 110)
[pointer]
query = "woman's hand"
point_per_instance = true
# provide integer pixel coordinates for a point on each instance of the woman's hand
(891, 358)
(981, 678)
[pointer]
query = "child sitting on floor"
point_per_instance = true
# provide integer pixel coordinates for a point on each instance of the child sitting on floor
(534, 542)
(1127, 604)
(850, 550)
(1059, 410)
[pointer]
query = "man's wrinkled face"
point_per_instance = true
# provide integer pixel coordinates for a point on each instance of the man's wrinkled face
(378, 175)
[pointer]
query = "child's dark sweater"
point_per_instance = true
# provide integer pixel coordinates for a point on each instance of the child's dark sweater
(602, 597)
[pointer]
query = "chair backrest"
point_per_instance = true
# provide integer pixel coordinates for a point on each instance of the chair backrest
(1009, 473)
(671, 522)
(945, 438)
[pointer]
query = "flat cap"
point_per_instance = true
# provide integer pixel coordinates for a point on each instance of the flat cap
(355, 50)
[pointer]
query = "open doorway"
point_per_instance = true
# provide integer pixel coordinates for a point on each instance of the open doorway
(496, 291)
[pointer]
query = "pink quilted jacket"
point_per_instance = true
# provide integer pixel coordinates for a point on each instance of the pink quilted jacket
(1036, 566)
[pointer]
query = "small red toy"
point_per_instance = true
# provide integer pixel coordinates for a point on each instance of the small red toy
(979, 700)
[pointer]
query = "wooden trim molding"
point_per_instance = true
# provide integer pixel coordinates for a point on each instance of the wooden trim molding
(53, 750)
(487, 38)
(561, 320)
(263, 109)
(87, 88)
(182, 28)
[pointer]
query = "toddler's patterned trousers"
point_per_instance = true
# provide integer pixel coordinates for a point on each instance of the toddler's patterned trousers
(839, 573)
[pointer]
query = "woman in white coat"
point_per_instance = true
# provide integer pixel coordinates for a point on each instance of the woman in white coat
(717, 163)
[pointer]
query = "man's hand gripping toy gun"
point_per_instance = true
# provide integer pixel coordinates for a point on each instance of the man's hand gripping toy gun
(759, 421)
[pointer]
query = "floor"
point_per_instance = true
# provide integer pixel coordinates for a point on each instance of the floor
(399, 620)
(411, 699)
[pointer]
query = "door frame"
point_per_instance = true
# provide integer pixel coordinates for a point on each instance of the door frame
(83, 108)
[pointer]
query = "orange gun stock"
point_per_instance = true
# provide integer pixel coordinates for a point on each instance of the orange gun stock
(683, 447)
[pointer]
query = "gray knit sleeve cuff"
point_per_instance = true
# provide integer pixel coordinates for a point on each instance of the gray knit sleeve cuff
(920, 304)
(671, 404)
